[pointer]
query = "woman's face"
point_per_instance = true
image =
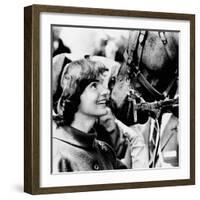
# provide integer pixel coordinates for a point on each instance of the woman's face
(93, 99)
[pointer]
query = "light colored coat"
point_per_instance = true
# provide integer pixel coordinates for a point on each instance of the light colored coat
(74, 150)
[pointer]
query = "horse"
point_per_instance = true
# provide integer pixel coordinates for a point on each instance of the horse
(146, 86)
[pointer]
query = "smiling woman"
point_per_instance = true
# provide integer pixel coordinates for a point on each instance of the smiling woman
(83, 100)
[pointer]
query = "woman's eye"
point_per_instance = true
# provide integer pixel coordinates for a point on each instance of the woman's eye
(94, 85)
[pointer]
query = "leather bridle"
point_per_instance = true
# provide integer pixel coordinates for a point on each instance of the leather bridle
(133, 58)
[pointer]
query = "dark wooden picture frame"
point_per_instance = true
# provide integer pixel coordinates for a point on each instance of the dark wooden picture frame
(32, 100)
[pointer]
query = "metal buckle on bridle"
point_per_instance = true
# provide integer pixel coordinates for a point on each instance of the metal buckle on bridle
(162, 37)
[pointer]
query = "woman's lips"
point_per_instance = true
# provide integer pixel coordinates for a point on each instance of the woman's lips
(102, 101)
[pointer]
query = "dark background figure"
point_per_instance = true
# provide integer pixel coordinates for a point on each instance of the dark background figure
(58, 45)
(61, 48)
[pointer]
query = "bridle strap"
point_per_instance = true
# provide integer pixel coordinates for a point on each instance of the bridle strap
(170, 86)
(164, 41)
(131, 53)
(148, 86)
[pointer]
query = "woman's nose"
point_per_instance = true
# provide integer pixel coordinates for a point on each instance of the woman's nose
(104, 90)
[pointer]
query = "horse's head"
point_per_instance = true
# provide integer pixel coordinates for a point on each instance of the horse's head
(150, 70)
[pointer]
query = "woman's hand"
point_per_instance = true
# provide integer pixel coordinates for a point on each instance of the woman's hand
(108, 121)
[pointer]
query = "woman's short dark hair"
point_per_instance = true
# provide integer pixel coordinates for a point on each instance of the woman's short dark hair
(76, 76)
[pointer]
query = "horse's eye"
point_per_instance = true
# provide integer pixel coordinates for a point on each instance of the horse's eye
(111, 83)
(113, 80)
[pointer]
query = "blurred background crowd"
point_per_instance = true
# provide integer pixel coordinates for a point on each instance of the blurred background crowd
(100, 42)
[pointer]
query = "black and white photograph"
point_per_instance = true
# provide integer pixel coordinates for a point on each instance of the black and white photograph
(115, 99)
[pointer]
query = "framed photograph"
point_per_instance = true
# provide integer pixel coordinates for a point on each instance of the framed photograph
(109, 99)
